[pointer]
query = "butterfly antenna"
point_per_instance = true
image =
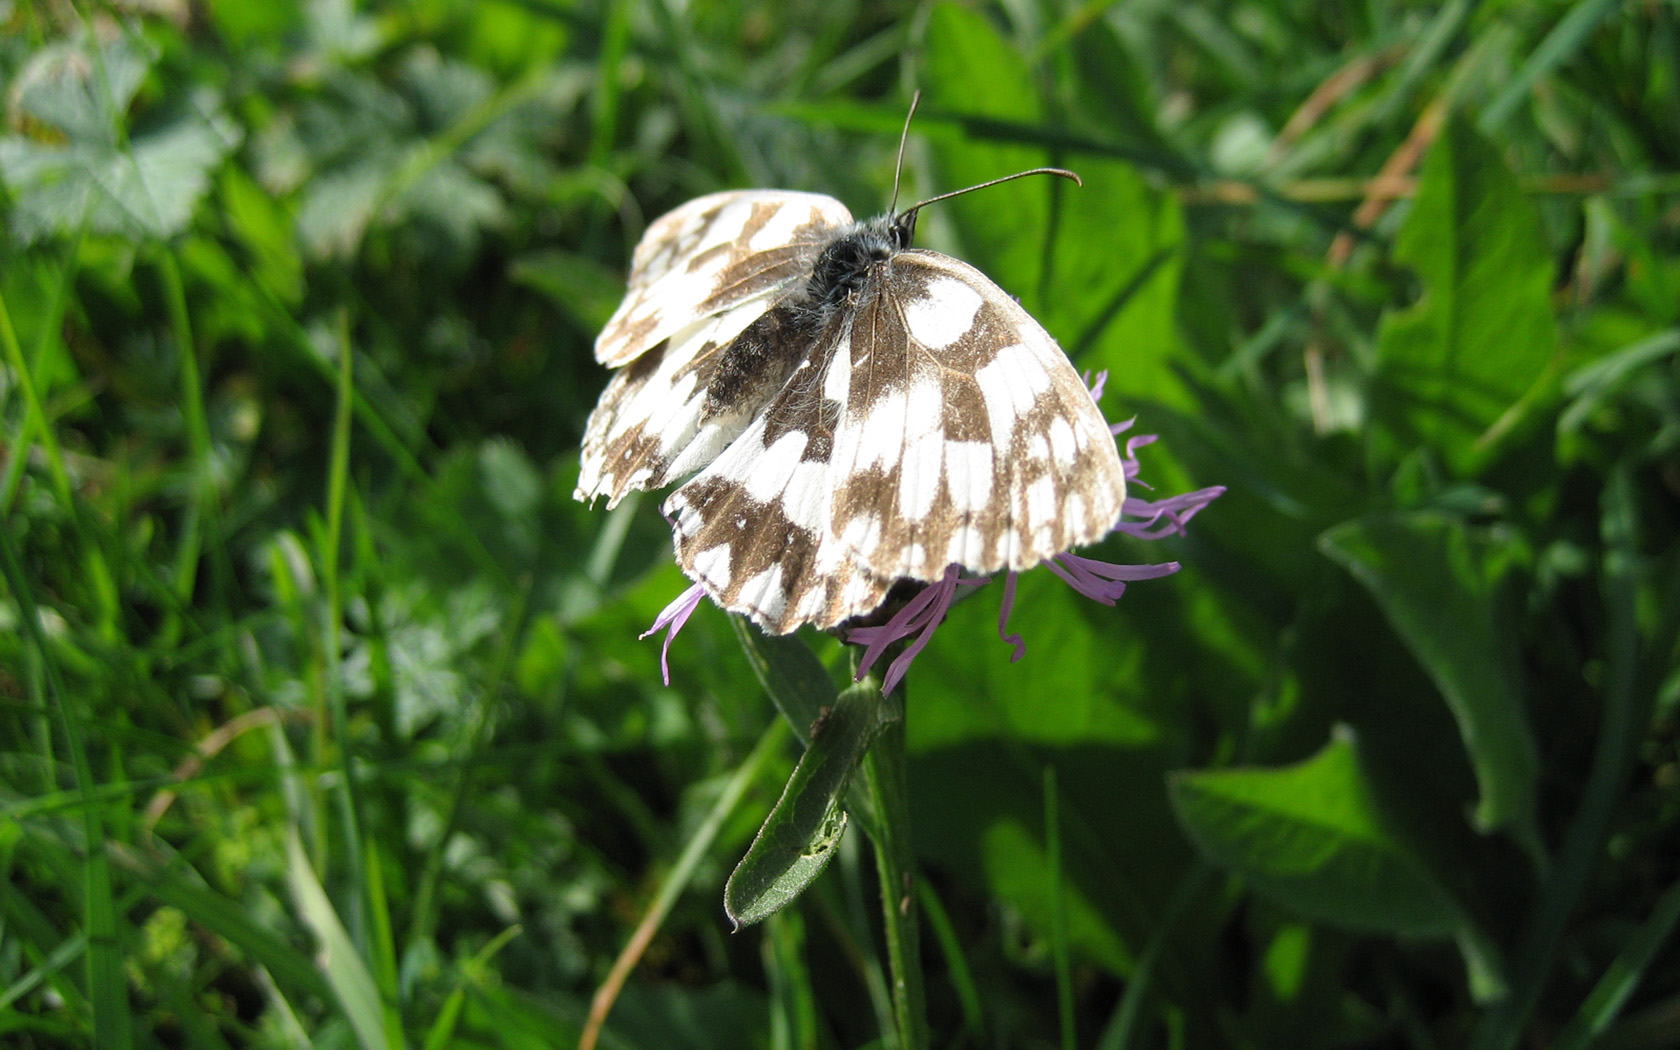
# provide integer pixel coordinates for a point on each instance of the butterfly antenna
(903, 137)
(1063, 172)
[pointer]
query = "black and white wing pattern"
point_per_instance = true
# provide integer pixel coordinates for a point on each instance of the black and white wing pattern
(713, 254)
(870, 413)
(700, 275)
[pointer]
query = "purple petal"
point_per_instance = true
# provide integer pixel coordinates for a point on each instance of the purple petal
(674, 616)
(919, 617)
(1097, 384)
(1176, 511)
(1006, 606)
(1104, 581)
(1129, 459)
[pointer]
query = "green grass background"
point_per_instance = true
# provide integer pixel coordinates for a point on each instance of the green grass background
(323, 721)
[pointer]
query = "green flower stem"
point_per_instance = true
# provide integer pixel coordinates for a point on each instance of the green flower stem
(885, 783)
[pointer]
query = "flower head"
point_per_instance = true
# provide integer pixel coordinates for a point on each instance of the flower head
(921, 614)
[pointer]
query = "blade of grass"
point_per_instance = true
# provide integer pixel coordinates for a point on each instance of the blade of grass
(956, 961)
(54, 962)
(478, 733)
(35, 419)
(852, 929)
(381, 944)
(394, 440)
(201, 531)
(1121, 1032)
(1560, 45)
(335, 711)
(793, 999)
(291, 972)
(677, 880)
(1623, 975)
(442, 1032)
(1060, 950)
(615, 41)
(107, 986)
(346, 972)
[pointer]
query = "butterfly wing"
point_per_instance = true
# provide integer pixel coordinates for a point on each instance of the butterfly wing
(935, 422)
(648, 422)
(753, 527)
(713, 254)
(700, 276)
(967, 437)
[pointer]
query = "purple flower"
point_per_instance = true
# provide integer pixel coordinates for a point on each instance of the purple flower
(1098, 580)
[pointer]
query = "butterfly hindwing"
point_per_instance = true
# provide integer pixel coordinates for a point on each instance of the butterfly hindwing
(967, 436)
(650, 415)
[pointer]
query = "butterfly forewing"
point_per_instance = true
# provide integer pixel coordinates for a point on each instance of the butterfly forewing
(932, 422)
(712, 254)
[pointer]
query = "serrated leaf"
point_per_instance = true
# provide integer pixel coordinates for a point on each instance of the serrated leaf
(1438, 586)
(89, 174)
(1312, 838)
(803, 831)
(1467, 364)
(82, 87)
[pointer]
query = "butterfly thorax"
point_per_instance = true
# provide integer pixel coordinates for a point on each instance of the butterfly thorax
(843, 266)
(763, 356)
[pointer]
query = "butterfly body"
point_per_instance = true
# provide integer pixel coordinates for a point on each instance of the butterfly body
(850, 411)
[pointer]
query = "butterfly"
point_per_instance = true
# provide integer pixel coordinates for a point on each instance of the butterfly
(843, 410)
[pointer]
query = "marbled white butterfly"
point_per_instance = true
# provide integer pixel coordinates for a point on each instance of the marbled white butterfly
(848, 411)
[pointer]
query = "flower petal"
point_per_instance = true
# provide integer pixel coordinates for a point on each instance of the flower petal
(1004, 609)
(674, 616)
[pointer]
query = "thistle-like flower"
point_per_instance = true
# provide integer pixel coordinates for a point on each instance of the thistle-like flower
(921, 614)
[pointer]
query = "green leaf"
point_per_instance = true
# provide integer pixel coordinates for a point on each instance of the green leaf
(94, 174)
(1312, 838)
(790, 672)
(1470, 362)
(1438, 585)
(1097, 265)
(801, 834)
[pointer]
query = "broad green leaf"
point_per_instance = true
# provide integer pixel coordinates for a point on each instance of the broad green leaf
(803, 831)
(1468, 364)
(1086, 697)
(1438, 585)
(1312, 838)
(1097, 264)
(89, 173)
